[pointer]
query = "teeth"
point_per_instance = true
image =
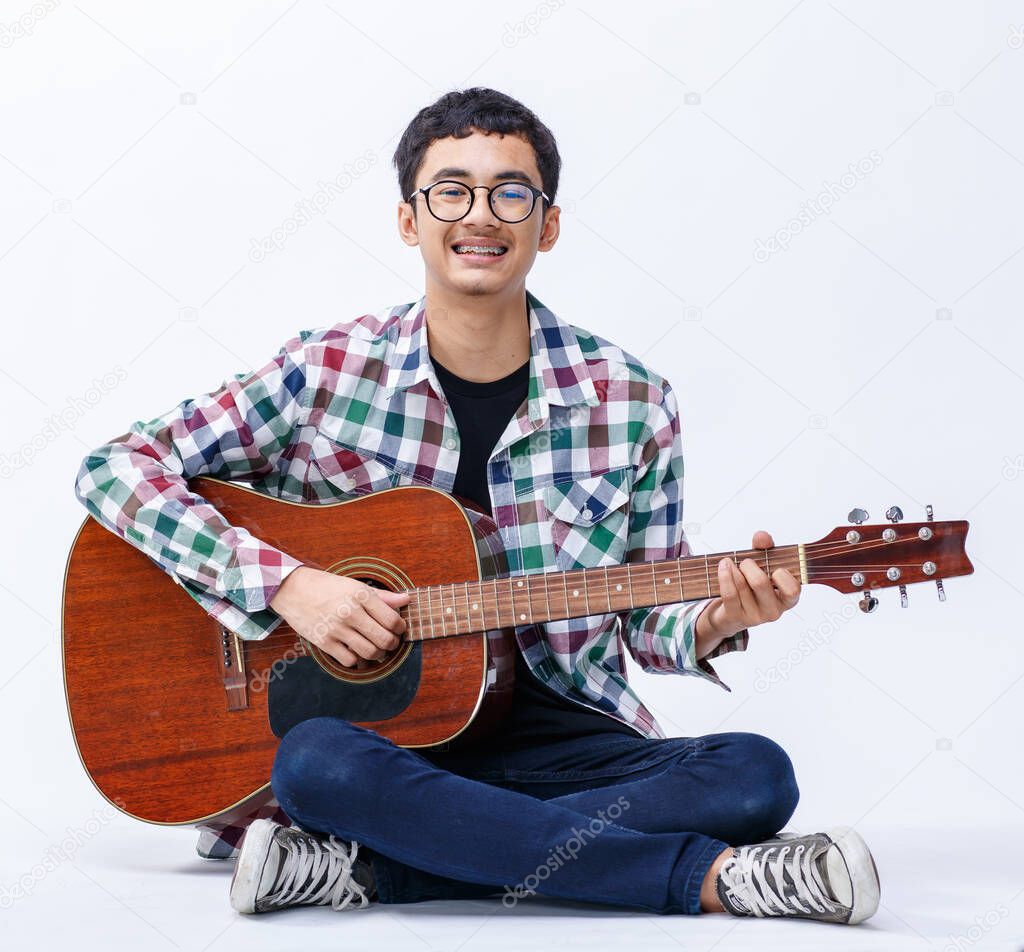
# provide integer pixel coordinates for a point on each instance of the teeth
(479, 249)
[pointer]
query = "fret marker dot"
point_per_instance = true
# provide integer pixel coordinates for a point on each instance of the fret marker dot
(575, 592)
(474, 606)
(520, 583)
(448, 610)
(667, 581)
(618, 588)
(522, 616)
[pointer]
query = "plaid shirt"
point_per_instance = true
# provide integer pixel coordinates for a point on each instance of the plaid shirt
(588, 472)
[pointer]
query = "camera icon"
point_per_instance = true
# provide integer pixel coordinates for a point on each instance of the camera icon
(691, 313)
(944, 98)
(817, 421)
(692, 99)
(62, 206)
(944, 743)
(188, 314)
(944, 314)
(188, 99)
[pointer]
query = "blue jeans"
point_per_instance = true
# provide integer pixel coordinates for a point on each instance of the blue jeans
(607, 818)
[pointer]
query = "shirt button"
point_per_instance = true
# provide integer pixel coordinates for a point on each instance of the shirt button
(349, 482)
(450, 443)
(586, 513)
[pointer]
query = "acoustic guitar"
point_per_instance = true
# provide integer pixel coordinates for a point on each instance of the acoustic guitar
(177, 719)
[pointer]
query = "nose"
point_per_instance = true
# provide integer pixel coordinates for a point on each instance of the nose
(481, 213)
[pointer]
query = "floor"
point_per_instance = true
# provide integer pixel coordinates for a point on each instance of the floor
(121, 885)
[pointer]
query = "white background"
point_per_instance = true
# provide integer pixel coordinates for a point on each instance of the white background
(876, 360)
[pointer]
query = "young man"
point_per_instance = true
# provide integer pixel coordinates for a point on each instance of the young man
(572, 447)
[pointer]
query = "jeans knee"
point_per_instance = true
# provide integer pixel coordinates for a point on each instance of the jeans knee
(768, 794)
(309, 755)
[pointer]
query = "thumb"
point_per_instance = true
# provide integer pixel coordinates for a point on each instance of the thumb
(394, 599)
(762, 540)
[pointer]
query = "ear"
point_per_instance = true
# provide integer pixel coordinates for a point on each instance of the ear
(407, 229)
(550, 230)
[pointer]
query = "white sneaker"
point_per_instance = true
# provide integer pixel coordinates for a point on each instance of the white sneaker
(281, 866)
(828, 876)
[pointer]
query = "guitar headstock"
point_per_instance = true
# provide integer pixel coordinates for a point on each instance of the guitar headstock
(866, 557)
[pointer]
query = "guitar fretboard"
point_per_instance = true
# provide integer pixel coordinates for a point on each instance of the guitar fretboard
(459, 608)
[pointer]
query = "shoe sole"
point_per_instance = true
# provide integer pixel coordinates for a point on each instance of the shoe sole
(252, 860)
(850, 859)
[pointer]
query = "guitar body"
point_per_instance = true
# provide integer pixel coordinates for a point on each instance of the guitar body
(177, 720)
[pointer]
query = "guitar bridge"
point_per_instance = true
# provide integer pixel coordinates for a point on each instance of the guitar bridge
(232, 654)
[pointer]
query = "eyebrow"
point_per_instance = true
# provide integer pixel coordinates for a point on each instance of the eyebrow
(510, 174)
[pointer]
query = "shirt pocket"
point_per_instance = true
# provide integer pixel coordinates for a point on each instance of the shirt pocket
(589, 519)
(338, 470)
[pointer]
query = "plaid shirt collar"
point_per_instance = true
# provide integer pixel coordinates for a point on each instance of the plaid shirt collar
(558, 370)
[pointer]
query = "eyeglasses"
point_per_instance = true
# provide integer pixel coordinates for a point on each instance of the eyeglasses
(511, 202)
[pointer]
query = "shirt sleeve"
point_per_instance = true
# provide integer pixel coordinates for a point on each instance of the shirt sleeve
(661, 639)
(136, 486)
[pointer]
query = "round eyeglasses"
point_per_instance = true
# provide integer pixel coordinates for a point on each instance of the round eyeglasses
(510, 202)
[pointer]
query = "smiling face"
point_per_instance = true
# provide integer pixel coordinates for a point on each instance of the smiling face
(479, 159)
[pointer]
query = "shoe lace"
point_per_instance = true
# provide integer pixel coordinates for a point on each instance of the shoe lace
(746, 881)
(328, 863)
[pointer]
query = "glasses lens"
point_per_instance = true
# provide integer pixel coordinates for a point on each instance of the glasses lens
(449, 201)
(512, 202)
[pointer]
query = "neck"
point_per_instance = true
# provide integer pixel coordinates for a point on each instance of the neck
(479, 338)
(458, 608)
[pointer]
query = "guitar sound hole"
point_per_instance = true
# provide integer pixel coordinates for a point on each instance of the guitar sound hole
(364, 668)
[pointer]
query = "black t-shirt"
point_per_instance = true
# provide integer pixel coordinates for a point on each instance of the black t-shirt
(482, 410)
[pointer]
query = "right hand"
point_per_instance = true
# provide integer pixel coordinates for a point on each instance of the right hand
(346, 618)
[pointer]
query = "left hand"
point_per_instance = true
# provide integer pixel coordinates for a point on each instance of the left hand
(749, 597)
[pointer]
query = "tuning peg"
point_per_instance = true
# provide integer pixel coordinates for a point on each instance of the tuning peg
(903, 596)
(868, 603)
(894, 513)
(930, 514)
(857, 516)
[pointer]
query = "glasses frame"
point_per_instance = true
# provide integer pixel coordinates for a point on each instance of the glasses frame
(537, 193)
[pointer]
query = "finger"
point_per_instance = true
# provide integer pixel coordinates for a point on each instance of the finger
(744, 603)
(374, 632)
(762, 540)
(358, 643)
(767, 605)
(788, 586)
(337, 649)
(384, 614)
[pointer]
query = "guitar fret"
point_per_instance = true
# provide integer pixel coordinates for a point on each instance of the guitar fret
(607, 588)
(629, 583)
(547, 602)
(586, 592)
(430, 614)
(707, 573)
(497, 614)
(469, 613)
(679, 570)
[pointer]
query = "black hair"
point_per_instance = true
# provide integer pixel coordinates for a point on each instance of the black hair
(461, 112)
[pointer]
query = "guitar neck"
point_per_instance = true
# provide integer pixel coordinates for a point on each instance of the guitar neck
(459, 608)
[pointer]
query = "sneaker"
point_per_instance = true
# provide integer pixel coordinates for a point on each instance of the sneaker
(281, 866)
(828, 876)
